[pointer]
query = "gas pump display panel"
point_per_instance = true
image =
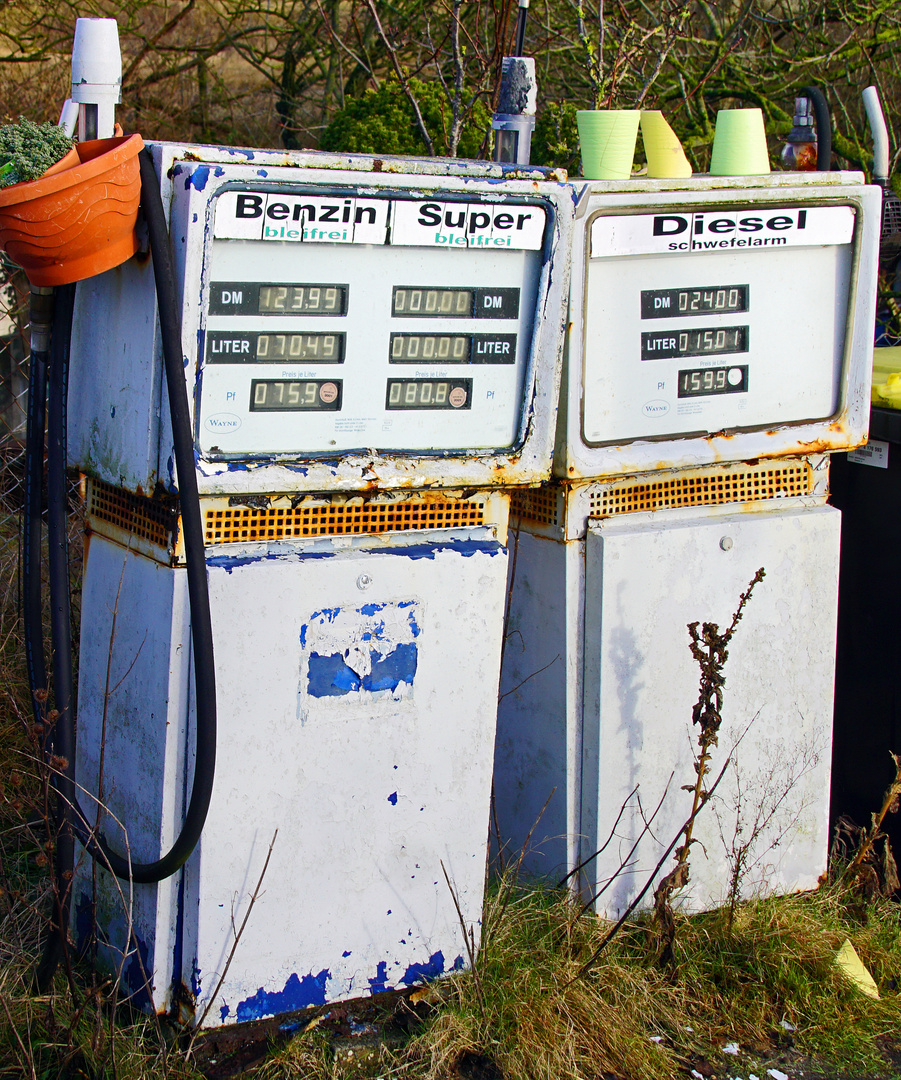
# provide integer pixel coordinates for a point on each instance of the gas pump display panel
(399, 324)
(699, 320)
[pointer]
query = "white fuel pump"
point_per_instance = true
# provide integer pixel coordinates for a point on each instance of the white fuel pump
(371, 349)
(720, 348)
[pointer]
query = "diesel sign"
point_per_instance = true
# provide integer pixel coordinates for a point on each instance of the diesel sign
(718, 230)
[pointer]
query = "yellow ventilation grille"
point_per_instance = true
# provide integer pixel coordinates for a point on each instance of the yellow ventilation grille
(536, 504)
(136, 515)
(236, 523)
(744, 484)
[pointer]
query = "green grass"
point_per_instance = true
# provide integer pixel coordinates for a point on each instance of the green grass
(529, 1010)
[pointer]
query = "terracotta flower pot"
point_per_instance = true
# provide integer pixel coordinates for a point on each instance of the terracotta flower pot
(78, 219)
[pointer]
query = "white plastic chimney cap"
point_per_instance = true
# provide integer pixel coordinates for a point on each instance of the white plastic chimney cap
(96, 62)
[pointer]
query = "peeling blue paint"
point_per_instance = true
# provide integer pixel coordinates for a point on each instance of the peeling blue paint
(379, 984)
(431, 969)
(345, 953)
(133, 975)
(297, 994)
(198, 178)
(392, 798)
(330, 676)
(223, 1012)
(466, 548)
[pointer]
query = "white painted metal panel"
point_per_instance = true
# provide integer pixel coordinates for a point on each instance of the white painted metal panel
(538, 750)
(133, 696)
(645, 581)
(786, 360)
(357, 715)
(341, 429)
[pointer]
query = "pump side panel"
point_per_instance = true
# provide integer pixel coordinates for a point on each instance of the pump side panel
(536, 768)
(132, 704)
(116, 378)
(644, 584)
(357, 694)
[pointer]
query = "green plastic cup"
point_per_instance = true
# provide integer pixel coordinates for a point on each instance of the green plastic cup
(739, 144)
(607, 141)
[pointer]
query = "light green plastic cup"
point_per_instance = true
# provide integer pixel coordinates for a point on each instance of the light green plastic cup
(739, 144)
(607, 141)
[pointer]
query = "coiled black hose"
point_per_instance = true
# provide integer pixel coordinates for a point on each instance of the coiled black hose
(72, 819)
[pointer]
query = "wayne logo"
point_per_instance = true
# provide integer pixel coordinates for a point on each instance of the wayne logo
(715, 230)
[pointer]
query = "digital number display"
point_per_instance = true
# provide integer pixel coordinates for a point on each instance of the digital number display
(453, 349)
(429, 394)
(715, 341)
(701, 382)
(302, 300)
(707, 300)
(302, 395)
(328, 348)
(277, 298)
(416, 302)
(448, 302)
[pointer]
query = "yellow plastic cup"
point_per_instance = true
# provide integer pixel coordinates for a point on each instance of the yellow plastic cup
(666, 158)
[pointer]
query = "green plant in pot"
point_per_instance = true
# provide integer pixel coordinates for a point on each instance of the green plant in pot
(67, 210)
(27, 150)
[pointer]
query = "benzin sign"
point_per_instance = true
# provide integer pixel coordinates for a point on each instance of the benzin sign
(720, 230)
(317, 219)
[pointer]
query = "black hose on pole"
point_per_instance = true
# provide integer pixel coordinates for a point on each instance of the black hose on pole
(823, 124)
(61, 759)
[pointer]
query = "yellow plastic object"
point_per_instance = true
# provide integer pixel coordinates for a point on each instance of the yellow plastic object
(850, 964)
(886, 392)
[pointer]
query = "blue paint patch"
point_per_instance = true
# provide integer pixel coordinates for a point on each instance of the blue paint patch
(431, 969)
(84, 922)
(345, 953)
(379, 984)
(371, 609)
(133, 976)
(223, 1012)
(197, 179)
(330, 676)
(297, 994)
(466, 548)
(393, 799)
(458, 964)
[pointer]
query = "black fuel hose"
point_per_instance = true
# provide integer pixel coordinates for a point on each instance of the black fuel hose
(823, 124)
(198, 593)
(61, 737)
(31, 531)
(74, 818)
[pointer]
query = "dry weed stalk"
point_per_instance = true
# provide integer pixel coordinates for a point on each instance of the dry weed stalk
(862, 872)
(709, 648)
